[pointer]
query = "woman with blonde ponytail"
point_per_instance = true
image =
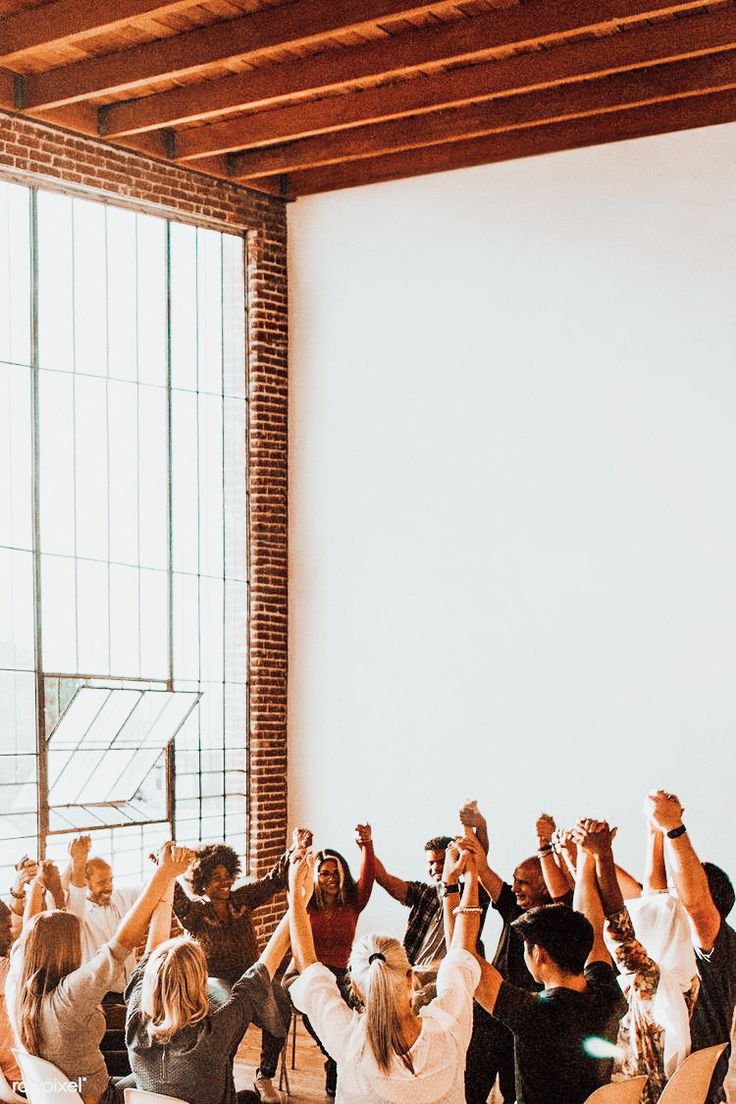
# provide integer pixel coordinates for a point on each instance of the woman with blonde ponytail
(387, 1052)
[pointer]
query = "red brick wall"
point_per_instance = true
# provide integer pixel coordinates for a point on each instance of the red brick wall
(56, 158)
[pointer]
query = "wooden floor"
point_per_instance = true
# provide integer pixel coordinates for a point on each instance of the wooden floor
(306, 1080)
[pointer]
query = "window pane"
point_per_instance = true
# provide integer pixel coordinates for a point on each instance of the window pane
(211, 612)
(209, 310)
(93, 618)
(235, 717)
(121, 295)
(183, 268)
(90, 288)
(236, 597)
(155, 624)
(184, 476)
(16, 445)
(123, 421)
(233, 330)
(56, 443)
(153, 483)
(124, 627)
(211, 711)
(186, 627)
(55, 282)
(16, 610)
(17, 711)
(91, 488)
(15, 274)
(152, 367)
(234, 488)
(211, 537)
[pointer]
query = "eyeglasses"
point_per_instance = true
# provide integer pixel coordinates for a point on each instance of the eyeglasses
(328, 875)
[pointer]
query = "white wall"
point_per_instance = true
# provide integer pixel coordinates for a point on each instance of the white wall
(513, 499)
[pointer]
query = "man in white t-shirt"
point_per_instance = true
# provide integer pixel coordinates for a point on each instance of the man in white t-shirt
(99, 906)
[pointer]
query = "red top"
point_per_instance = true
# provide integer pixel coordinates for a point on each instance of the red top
(333, 932)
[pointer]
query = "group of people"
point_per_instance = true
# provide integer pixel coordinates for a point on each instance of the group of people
(595, 977)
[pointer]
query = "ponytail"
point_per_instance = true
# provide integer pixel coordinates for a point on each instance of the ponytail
(379, 965)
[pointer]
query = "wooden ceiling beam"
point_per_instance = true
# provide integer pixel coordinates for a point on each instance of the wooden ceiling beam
(292, 25)
(313, 20)
(67, 20)
(590, 97)
(641, 122)
(664, 42)
(7, 89)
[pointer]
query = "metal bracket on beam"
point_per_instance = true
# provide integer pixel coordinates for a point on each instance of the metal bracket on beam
(102, 120)
(284, 184)
(19, 93)
(230, 164)
(170, 140)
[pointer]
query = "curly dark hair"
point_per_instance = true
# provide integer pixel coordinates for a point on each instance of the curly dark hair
(208, 858)
(438, 843)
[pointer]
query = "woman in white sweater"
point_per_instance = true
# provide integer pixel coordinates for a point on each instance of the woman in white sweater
(388, 1053)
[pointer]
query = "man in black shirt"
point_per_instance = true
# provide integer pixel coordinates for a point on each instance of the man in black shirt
(491, 1050)
(560, 1032)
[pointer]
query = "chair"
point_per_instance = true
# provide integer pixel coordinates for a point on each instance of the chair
(690, 1082)
(7, 1096)
(619, 1092)
(140, 1096)
(44, 1082)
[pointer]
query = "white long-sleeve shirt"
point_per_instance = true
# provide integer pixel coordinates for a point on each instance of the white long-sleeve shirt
(438, 1055)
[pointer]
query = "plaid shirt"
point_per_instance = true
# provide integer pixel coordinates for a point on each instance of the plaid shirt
(425, 904)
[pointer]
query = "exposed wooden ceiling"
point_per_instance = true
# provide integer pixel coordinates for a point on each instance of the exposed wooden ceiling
(313, 95)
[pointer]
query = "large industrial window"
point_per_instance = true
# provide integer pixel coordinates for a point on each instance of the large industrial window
(122, 530)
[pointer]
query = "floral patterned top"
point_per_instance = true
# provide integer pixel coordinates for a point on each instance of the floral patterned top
(640, 1038)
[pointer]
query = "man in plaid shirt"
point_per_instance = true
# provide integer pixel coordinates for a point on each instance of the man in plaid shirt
(424, 940)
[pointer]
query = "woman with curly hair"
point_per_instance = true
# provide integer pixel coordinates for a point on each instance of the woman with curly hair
(221, 920)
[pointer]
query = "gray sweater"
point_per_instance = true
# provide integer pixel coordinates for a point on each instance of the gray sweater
(71, 1020)
(197, 1064)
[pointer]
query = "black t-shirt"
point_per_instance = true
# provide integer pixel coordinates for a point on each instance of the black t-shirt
(550, 1031)
(509, 957)
(711, 1022)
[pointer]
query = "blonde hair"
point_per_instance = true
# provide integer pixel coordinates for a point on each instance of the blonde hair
(174, 990)
(380, 968)
(50, 948)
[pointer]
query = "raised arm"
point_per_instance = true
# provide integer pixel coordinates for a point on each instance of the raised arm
(36, 894)
(367, 865)
(597, 838)
(488, 878)
(554, 877)
(691, 882)
(655, 873)
(395, 887)
(273, 953)
(587, 900)
(159, 928)
(171, 863)
(461, 922)
(301, 883)
(475, 823)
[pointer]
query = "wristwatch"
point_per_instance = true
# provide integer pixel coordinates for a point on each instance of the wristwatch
(447, 890)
